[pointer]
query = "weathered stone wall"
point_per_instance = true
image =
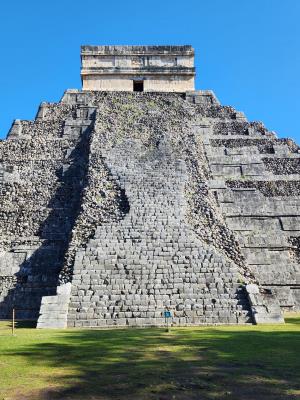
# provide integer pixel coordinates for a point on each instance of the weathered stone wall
(114, 68)
(254, 177)
(44, 169)
(151, 84)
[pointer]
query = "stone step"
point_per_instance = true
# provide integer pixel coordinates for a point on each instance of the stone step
(54, 309)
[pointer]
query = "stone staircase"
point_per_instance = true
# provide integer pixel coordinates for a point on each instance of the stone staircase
(151, 261)
(54, 309)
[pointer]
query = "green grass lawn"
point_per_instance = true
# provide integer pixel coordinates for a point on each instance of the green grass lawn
(223, 362)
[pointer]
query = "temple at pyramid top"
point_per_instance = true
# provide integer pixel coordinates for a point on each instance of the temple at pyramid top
(138, 68)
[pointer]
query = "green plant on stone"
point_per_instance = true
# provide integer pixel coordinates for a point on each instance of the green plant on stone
(241, 281)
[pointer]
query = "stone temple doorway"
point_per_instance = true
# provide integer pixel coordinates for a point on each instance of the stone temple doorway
(138, 86)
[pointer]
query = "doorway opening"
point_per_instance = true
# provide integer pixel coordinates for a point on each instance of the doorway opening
(138, 86)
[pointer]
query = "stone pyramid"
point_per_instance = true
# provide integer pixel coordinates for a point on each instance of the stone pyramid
(118, 206)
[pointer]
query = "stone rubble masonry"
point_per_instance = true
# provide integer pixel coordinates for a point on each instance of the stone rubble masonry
(116, 207)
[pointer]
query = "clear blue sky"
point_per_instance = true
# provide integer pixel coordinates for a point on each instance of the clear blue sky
(247, 51)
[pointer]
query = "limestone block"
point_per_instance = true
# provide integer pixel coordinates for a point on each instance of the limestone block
(281, 150)
(253, 169)
(290, 223)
